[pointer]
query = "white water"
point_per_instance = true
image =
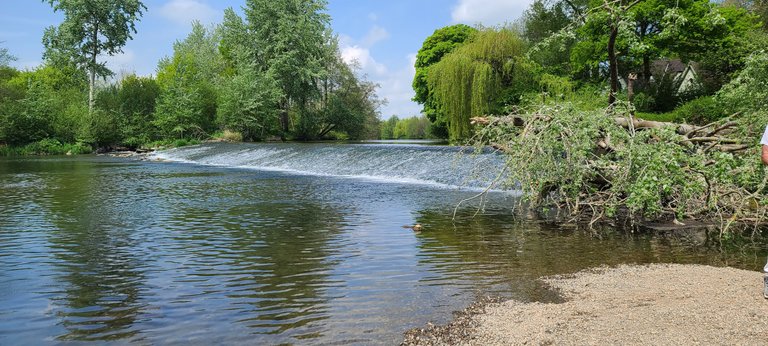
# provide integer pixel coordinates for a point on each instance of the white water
(417, 164)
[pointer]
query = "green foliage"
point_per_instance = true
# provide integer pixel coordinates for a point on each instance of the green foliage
(289, 39)
(644, 102)
(183, 112)
(406, 128)
(412, 128)
(435, 47)
(748, 92)
(646, 174)
(387, 127)
(99, 127)
(90, 28)
(700, 111)
(542, 21)
(189, 83)
(30, 118)
(670, 117)
(350, 106)
(5, 57)
(720, 39)
(249, 105)
(137, 99)
(46, 146)
(481, 77)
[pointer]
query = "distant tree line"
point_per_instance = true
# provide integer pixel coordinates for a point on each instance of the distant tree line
(274, 73)
(406, 128)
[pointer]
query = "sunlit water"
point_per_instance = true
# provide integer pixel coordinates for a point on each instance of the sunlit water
(247, 248)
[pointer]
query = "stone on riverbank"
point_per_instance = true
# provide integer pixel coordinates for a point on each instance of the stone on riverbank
(632, 305)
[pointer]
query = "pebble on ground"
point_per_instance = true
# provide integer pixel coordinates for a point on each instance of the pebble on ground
(630, 305)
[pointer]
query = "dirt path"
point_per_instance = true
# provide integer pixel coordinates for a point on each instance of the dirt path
(627, 305)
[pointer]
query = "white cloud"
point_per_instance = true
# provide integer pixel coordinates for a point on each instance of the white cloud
(183, 12)
(375, 35)
(362, 57)
(394, 81)
(488, 12)
(359, 53)
(123, 63)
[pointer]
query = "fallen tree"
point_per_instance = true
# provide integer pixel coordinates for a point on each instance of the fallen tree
(598, 165)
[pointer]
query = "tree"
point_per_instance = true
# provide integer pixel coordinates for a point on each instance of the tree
(720, 39)
(545, 18)
(190, 81)
(629, 35)
(91, 28)
(387, 128)
(435, 47)
(350, 104)
(249, 104)
(289, 38)
(5, 57)
(757, 7)
(480, 77)
(137, 100)
(541, 23)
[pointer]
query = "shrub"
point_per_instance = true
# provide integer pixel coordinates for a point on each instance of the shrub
(650, 173)
(702, 110)
(644, 102)
(47, 146)
(232, 136)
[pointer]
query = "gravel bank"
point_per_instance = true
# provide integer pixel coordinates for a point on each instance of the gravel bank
(627, 305)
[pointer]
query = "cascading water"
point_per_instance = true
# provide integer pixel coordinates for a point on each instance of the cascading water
(424, 164)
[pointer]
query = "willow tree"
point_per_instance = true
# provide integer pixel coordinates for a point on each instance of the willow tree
(435, 47)
(472, 80)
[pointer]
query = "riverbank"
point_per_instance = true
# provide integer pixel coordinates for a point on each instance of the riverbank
(654, 304)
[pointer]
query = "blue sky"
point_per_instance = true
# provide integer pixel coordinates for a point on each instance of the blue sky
(382, 35)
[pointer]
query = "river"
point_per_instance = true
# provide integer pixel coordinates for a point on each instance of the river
(282, 243)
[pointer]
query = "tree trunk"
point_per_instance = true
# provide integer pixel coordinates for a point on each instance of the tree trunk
(92, 76)
(646, 71)
(631, 90)
(613, 64)
(284, 120)
(91, 86)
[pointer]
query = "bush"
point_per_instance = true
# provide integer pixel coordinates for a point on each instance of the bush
(644, 102)
(48, 146)
(701, 111)
(644, 174)
(232, 136)
(749, 90)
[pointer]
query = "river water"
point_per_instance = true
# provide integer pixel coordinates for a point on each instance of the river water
(281, 243)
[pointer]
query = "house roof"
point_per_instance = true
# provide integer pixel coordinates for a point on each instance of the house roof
(668, 65)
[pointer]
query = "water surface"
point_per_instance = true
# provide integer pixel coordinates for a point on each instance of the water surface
(235, 245)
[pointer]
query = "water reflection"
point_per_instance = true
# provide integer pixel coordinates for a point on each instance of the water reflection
(100, 266)
(93, 249)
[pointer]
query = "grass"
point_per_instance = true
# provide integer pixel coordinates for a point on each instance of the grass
(46, 146)
(671, 117)
(172, 143)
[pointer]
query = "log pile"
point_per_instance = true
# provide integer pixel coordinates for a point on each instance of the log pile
(713, 136)
(598, 186)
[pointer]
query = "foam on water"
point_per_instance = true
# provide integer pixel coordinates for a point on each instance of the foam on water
(440, 166)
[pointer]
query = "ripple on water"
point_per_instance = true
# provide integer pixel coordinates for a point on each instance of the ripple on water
(94, 249)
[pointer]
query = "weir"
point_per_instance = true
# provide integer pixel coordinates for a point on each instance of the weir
(443, 166)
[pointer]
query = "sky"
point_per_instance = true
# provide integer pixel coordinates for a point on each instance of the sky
(383, 36)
